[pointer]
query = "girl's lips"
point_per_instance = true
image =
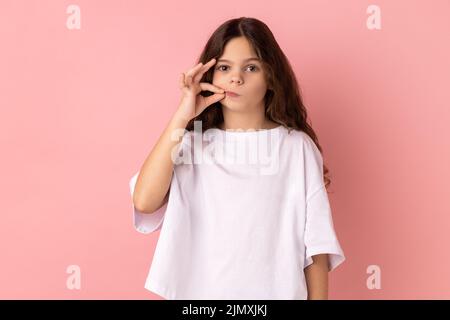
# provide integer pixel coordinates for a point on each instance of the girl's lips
(232, 94)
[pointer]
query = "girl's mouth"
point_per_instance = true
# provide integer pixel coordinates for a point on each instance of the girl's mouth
(232, 94)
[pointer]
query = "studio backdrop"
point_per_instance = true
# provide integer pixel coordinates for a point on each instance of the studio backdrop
(87, 87)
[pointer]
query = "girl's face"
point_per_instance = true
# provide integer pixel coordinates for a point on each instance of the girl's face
(239, 75)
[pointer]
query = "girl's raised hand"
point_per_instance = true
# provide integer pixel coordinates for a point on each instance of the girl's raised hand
(192, 103)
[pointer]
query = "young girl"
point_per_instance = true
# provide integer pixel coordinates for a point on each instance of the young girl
(238, 229)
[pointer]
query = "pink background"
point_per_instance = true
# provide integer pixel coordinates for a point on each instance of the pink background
(81, 109)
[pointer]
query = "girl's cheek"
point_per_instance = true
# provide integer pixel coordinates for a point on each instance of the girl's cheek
(217, 83)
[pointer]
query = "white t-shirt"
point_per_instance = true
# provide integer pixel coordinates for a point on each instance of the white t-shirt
(239, 228)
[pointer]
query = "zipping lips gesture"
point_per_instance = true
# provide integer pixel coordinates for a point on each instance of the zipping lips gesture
(192, 102)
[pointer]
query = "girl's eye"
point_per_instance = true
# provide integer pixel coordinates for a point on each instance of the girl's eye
(219, 67)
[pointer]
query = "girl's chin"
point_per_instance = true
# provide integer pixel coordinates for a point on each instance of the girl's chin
(231, 103)
(232, 106)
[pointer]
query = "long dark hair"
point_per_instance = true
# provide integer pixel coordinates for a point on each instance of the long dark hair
(283, 101)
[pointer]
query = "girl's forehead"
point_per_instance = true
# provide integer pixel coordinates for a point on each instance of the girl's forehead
(242, 60)
(239, 47)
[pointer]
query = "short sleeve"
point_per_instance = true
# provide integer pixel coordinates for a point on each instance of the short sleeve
(150, 222)
(146, 222)
(319, 234)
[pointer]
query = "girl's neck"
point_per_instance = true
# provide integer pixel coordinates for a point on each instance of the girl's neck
(267, 124)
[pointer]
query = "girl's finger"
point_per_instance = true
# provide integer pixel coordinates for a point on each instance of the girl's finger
(188, 80)
(181, 80)
(205, 86)
(204, 69)
(191, 73)
(214, 98)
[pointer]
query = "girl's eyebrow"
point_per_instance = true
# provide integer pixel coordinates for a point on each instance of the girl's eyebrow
(248, 59)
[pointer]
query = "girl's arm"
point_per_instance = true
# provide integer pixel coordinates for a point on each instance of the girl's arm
(317, 277)
(153, 183)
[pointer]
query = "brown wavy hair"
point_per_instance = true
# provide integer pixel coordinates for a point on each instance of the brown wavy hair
(283, 101)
